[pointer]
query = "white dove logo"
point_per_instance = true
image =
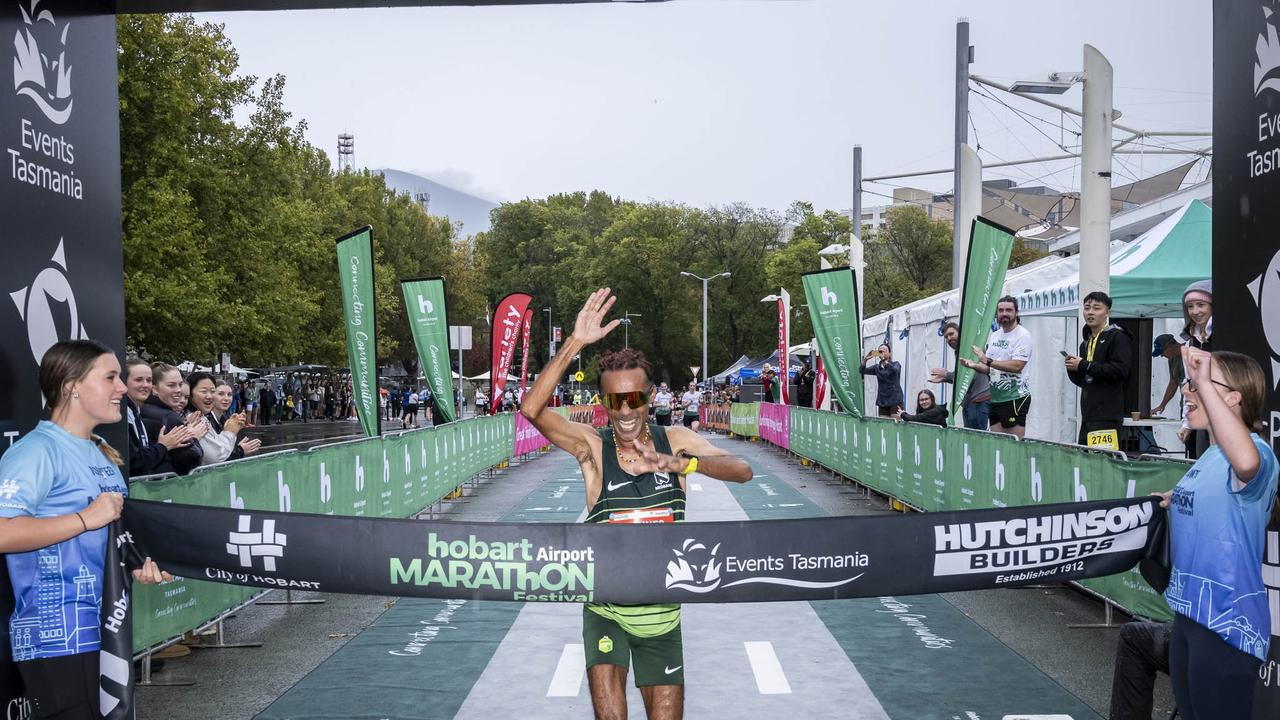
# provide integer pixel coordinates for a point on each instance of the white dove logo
(47, 83)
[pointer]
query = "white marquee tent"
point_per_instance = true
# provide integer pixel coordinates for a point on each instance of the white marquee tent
(914, 330)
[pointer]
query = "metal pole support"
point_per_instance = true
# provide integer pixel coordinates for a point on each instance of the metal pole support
(288, 600)
(1107, 619)
(146, 679)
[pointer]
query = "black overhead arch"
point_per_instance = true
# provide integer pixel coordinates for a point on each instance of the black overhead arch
(160, 6)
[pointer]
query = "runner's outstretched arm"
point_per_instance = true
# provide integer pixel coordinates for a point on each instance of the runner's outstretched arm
(712, 461)
(574, 438)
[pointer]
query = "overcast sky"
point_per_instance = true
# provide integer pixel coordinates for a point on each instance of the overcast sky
(715, 101)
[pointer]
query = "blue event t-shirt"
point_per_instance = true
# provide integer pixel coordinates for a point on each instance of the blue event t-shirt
(57, 589)
(1217, 539)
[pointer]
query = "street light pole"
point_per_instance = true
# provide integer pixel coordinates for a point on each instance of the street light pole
(626, 330)
(1095, 175)
(551, 336)
(704, 314)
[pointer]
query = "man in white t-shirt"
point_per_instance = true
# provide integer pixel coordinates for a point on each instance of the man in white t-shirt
(662, 405)
(1005, 360)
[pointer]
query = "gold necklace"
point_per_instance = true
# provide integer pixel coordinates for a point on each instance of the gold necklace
(617, 445)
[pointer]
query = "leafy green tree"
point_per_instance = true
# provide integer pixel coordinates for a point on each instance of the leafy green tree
(229, 228)
(1024, 253)
(919, 246)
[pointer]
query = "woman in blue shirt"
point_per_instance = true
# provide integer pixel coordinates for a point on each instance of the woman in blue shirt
(1218, 516)
(59, 487)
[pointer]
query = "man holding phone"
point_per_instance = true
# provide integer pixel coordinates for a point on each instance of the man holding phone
(1101, 371)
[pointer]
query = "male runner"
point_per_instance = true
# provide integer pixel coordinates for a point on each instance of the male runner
(634, 472)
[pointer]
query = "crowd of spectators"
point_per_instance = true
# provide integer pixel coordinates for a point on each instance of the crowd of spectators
(177, 423)
(297, 396)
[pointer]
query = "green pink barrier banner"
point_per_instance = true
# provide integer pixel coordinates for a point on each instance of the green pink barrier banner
(527, 439)
(940, 469)
(775, 424)
(391, 477)
(744, 419)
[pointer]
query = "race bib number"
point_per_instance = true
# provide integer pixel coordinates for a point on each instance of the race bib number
(655, 515)
(1104, 439)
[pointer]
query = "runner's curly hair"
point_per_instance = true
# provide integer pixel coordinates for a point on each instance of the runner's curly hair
(625, 359)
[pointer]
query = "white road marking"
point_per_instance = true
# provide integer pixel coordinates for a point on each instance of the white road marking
(567, 682)
(696, 487)
(768, 671)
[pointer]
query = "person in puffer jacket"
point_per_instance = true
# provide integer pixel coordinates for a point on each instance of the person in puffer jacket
(1101, 371)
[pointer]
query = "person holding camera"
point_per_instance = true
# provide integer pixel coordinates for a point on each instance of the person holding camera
(888, 373)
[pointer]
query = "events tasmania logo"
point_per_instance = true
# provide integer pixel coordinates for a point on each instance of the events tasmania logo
(38, 74)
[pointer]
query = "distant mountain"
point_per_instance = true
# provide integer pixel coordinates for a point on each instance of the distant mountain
(471, 211)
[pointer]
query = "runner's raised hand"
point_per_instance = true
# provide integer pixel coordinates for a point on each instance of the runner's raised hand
(588, 327)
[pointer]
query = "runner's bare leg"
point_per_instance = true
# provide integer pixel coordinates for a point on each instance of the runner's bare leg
(663, 702)
(608, 691)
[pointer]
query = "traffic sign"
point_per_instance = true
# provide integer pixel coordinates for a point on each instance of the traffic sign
(694, 369)
(579, 376)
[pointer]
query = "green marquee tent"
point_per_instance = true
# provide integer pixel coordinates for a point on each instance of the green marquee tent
(1148, 275)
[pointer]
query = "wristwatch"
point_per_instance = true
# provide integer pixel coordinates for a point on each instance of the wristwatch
(692, 467)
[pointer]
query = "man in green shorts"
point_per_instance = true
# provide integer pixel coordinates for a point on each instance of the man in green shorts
(634, 472)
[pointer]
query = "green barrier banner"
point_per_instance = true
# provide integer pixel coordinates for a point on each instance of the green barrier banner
(837, 320)
(424, 305)
(390, 477)
(355, 275)
(744, 419)
(943, 469)
(989, 249)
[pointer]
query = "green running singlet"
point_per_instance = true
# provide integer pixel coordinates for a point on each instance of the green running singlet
(653, 497)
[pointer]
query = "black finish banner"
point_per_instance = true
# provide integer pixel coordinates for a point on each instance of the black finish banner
(758, 561)
(1246, 234)
(115, 657)
(60, 200)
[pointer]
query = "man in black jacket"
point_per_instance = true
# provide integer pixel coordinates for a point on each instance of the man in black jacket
(1101, 371)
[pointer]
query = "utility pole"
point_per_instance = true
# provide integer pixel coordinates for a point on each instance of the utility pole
(968, 206)
(1095, 175)
(551, 336)
(856, 260)
(705, 371)
(626, 327)
(964, 57)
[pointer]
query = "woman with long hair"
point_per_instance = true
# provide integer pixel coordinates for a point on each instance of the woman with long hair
(927, 411)
(163, 410)
(1218, 518)
(223, 395)
(62, 488)
(148, 454)
(218, 444)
